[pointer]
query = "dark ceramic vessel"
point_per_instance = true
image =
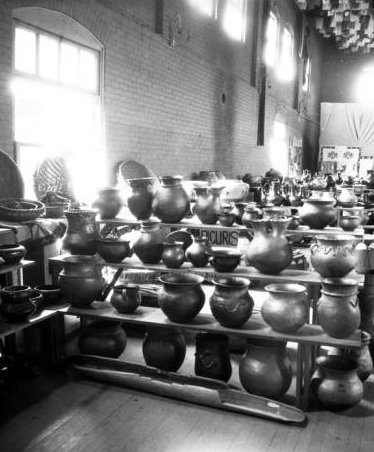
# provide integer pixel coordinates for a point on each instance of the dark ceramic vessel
(102, 338)
(15, 294)
(51, 292)
(224, 260)
(12, 254)
(126, 298)
(114, 251)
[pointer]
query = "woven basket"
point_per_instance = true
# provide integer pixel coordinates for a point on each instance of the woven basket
(18, 210)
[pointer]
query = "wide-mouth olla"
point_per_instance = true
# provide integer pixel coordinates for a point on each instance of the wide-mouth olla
(285, 288)
(48, 288)
(181, 279)
(15, 289)
(12, 247)
(231, 282)
(170, 180)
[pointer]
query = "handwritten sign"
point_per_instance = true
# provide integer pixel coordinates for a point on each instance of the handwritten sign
(222, 237)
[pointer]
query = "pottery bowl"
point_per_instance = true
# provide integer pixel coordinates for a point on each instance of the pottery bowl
(15, 294)
(51, 293)
(113, 250)
(224, 259)
(18, 312)
(349, 222)
(12, 254)
(38, 299)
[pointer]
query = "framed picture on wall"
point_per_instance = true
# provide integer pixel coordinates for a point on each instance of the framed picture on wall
(344, 159)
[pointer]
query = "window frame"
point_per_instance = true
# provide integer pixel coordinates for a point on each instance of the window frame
(61, 39)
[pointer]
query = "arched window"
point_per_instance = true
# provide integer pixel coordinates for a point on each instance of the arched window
(57, 97)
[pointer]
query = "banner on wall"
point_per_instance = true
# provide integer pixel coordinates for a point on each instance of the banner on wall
(344, 159)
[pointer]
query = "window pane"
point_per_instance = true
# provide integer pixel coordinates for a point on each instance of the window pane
(48, 57)
(25, 50)
(234, 19)
(286, 68)
(88, 70)
(205, 6)
(270, 52)
(69, 64)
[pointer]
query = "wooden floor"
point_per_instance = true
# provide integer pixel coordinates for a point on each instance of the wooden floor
(66, 413)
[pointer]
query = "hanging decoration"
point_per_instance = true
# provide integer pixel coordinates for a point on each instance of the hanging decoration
(349, 22)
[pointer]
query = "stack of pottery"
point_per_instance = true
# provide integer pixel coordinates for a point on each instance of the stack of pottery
(334, 257)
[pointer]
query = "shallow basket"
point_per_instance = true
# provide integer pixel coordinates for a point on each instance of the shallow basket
(18, 210)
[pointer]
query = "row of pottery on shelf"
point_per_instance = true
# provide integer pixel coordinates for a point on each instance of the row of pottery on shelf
(19, 302)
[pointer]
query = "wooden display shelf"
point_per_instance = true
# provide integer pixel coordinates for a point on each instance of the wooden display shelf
(7, 329)
(15, 267)
(255, 327)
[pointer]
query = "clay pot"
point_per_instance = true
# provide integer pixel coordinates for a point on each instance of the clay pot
(109, 202)
(265, 369)
(208, 204)
(125, 298)
(317, 212)
(212, 357)
(171, 202)
(347, 197)
(361, 356)
(224, 260)
(114, 251)
(181, 297)
(238, 210)
(80, 280)
(18, 312)
(336, 383)
(269, 251)
(51, 293)
(81, 233)
(12, 254)
(173, 255)
(350, 222)
(102, 338)
(333, 256)
(286, 308)
(164, 348)
(15, 294)
(150, 244)
(140, 200)
(337, 309)
(226, 219)
(231, 303)
(251, 212)
(196, 252)
(366, 302)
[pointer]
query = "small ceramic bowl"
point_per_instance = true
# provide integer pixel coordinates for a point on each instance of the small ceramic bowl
(113, 251)
(12, 254)
(350, 223)
(224, 259)
(18, 312)
(51, 293)
(15, 294)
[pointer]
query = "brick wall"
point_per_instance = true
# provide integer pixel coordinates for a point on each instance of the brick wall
(176, 109)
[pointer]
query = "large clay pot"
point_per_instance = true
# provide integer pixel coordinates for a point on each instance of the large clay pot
(286, 308)
(150, 244)
(366, 301)
(212, 357)
(80, 280)
(208, 204)
(347, 197)
(109, 202)
(317, 212)
(173, 254)
(337, 309)
(196, 252)
(126, 298)
(269, 251)
(230, 302)
(15, 294)
(102, 338)
(265, 369)
(140, 200)
(164, 348)
(333, 256)
(81, 233)
(171, 202)
(336, 383)
(181, 297)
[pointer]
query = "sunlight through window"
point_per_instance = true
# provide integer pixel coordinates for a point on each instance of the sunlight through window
(286, 67)
(25, 50)
(365, 87)
(48, 57)
(271, 44)
(234, 19)
(279, 148)
(207, 7)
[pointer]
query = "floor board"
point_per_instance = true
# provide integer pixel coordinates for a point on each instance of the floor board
(74, 414)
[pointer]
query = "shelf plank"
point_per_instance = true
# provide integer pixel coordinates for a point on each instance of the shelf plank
(10, 268)
(255, 327)
(7, 329)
